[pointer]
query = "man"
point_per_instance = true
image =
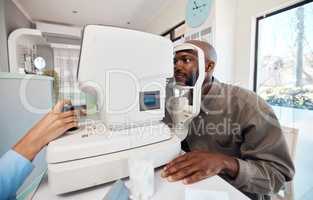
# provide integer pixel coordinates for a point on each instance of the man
(236, 135)
(16, 165)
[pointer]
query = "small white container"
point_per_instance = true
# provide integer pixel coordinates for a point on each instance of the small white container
(141, 175)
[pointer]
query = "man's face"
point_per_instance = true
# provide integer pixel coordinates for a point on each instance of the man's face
(186, 67)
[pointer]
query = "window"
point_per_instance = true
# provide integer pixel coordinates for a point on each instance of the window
(284, 54)
(284, 78)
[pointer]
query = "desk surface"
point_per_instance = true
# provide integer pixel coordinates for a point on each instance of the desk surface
(163, 190)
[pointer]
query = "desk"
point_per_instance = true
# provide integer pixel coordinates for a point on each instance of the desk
(163, 190)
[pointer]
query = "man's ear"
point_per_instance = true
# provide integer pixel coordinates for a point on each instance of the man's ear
(209, 67)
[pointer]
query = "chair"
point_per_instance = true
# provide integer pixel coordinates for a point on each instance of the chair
(291, 136)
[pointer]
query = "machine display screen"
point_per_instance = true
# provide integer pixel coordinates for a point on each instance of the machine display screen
(149, 100)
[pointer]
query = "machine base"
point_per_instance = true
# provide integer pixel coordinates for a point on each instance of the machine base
(84, 173)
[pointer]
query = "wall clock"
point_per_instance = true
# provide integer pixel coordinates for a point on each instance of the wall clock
(197, 12)
(40, 63)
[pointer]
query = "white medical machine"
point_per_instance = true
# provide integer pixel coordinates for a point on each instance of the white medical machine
(128, 71)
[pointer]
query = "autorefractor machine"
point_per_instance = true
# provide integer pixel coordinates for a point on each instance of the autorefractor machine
(127, 71)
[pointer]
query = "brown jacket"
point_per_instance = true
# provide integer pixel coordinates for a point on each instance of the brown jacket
(238, 123)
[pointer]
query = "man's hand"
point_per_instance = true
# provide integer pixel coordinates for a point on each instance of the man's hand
(198, 165)
(52, 126)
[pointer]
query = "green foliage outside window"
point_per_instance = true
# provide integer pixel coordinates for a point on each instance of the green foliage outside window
(289, 96)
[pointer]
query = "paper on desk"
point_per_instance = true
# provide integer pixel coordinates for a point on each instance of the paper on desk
(118, 192)
(192, 194)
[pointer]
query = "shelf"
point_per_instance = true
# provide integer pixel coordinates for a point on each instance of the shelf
(24, 76)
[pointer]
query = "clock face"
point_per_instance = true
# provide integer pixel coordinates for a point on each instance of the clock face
(197, 12)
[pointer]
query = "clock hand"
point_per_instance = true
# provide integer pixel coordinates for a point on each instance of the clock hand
(200, 7)
(203, 5)
(195, 3)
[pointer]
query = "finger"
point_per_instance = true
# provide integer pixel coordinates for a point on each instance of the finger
(60, 122)
(59, 106)
(70, 119)
(68, 114)
(62, 130)
(183, 173)
(175, 168)
(175, 161)
(70, 125)
(196, 177)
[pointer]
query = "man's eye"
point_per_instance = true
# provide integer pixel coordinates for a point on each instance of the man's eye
(187, 60)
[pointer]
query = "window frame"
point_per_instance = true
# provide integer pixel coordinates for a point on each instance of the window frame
(256, 46)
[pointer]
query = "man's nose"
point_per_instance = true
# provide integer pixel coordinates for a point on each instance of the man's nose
(178, 67)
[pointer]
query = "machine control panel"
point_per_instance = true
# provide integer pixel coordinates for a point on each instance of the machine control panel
(149, 100)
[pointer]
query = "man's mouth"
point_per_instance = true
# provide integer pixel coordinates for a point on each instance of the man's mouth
(181, 78)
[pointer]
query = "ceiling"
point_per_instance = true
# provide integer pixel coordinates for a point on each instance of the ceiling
(135, 14)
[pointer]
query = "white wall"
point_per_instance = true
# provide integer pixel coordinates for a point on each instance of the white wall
(15, 18)
(247, 10)
(172, 14)
(11, 18)
(4, 61)
(224, 39)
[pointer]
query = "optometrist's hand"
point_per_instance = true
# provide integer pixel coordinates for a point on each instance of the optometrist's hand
(51, 126)
(198, 165)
